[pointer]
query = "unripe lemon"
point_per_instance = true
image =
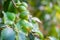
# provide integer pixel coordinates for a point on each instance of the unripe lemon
(24, 15)
(22, 8)
(24, 4)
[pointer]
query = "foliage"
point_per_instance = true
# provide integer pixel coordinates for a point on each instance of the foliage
(17, 23)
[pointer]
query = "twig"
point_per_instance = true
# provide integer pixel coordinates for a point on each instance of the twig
(15, 5)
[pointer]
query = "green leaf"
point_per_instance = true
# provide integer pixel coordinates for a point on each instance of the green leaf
(31, 36)
(6, 4)
(8, 34)
(37, 31)
(11, 6)
(35, 27)
(2, 25)
(22, 36)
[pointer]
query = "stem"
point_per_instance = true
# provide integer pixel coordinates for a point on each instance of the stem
(17, 36)
(17, 32)
(15, 5)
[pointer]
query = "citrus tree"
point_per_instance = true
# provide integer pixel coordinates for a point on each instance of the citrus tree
(16, 22)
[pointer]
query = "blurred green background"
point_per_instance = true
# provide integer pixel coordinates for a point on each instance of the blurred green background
(48, 11)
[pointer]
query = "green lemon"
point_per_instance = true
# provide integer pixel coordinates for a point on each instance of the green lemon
(10, 16)
(24, 4)
(24, 14)
(18, 4)
(26, 26)
(22, 8)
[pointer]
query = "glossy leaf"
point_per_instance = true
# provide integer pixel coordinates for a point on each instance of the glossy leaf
(22, 36)
(31, 36)
(8, 34)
